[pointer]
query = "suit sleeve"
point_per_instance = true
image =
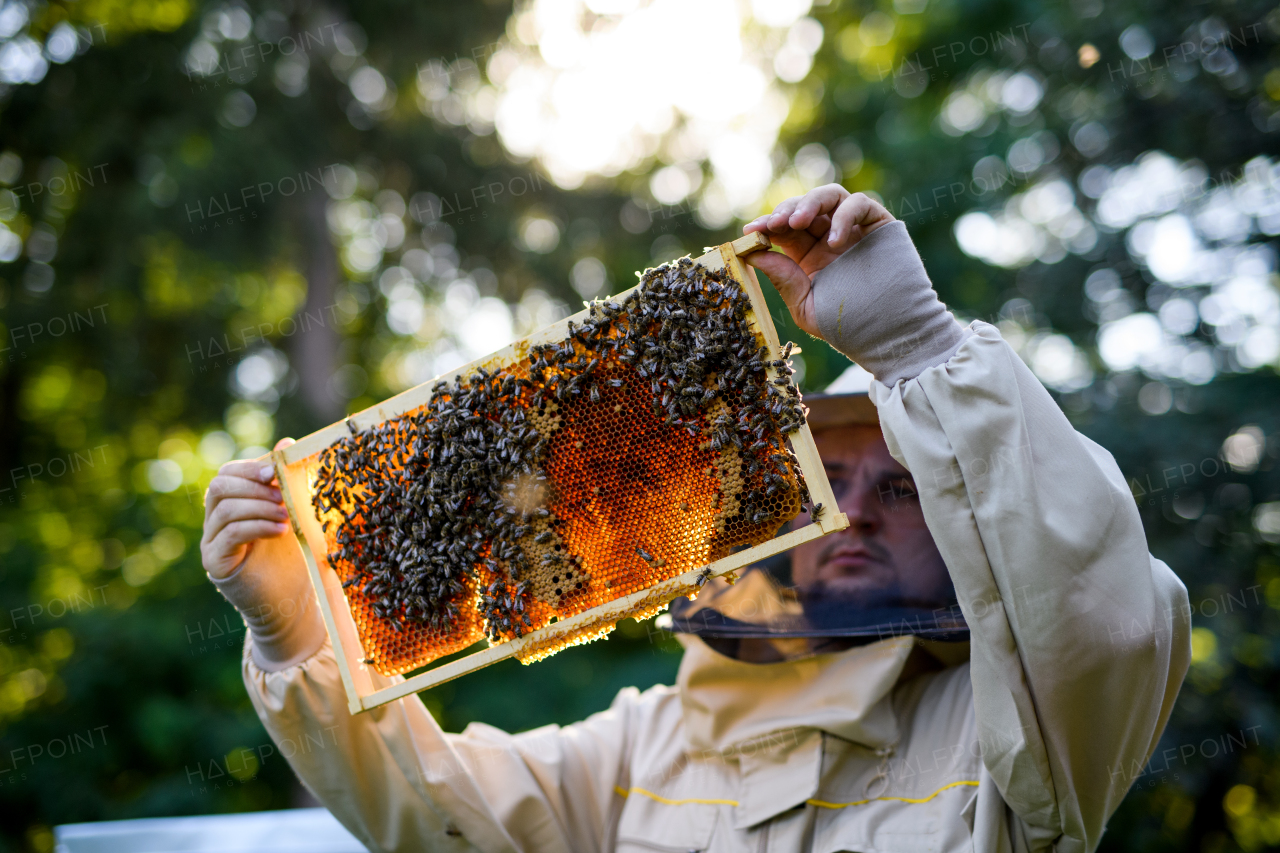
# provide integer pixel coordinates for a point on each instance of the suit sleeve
(1080, 638)
(399, 783)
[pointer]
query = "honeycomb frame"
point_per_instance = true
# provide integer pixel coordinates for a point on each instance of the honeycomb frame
(367, 688)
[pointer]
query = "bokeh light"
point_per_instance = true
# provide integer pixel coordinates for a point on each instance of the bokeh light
(582, 87)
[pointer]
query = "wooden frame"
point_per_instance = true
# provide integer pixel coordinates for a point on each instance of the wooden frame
(367, 689)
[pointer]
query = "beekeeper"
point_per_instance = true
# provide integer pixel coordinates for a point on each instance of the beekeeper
(842, 703)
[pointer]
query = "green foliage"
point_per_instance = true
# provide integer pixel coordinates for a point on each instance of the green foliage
(119, 394)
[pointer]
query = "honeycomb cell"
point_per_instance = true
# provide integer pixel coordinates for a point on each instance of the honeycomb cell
(650, 441)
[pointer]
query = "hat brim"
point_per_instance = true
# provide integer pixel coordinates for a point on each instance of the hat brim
(836, 410)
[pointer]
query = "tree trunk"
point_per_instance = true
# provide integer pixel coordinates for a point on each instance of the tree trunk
(315, 347)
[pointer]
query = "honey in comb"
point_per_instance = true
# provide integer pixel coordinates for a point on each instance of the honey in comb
(650, 441)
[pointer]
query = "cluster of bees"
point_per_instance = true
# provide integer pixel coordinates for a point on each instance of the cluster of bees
(465, 517)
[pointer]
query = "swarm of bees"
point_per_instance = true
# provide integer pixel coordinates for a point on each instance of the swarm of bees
(648, 442)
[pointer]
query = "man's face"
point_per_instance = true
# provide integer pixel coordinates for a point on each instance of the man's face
(887, 552)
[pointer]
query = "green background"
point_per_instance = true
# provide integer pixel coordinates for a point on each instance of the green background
(106, 617)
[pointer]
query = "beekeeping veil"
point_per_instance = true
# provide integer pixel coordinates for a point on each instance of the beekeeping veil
(767, 604)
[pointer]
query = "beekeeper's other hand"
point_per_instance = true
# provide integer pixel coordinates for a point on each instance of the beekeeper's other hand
(255, 562)
(812, 230)
(242, 505)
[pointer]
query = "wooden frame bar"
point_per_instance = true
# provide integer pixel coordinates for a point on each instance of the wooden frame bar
(366, 689)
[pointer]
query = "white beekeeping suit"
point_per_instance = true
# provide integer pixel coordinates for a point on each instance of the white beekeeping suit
(890, 746)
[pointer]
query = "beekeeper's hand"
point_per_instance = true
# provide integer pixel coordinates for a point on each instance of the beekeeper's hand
(812, 230)
(850, 275)
(256, 563)
(242, 505)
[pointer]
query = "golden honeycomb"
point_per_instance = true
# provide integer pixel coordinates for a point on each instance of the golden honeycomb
(648, 442)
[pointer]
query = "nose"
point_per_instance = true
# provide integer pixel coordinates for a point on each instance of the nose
(861, 504)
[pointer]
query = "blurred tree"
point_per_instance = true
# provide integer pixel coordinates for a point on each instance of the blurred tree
(219, 225)
(225, 223)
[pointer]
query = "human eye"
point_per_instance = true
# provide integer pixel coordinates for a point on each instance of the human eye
(839, 484)
(894, 489)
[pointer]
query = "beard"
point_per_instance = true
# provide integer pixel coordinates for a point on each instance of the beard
(869, 594)
(873, 583)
